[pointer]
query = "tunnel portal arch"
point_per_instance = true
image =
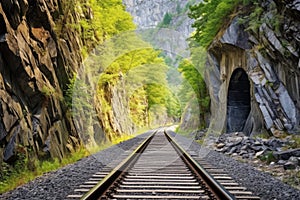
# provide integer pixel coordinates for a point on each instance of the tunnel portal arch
(238, 101)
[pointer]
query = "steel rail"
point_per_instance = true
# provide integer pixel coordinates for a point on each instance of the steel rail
(215, 187)
(103, 185)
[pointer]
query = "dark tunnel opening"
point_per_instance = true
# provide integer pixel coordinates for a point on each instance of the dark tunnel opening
(238, 101)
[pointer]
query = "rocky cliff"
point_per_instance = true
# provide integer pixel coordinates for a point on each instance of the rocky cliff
(36, 62)
(253, 70)
(46, 111)
(164, 23)
(150, 14)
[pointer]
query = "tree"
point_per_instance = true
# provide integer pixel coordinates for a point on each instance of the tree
(194, 86)
(167, 19)
(209, 17)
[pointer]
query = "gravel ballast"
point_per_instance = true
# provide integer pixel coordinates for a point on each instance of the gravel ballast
(58, 184)
(260, 183)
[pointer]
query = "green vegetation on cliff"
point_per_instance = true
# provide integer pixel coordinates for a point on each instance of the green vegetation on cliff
(98, 20)
(193, 85)
(125, 70)
(125, 61)
(133, 66)
(210, 16)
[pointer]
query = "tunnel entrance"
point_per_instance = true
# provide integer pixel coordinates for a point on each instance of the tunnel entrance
(238, 101)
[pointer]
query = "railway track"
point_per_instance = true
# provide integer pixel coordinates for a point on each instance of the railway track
(160, 169)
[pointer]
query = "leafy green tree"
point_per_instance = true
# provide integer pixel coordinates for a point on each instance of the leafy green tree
(103, 19)
(173, 106)
(194, 86)
(121, 59)
(209, 17)
(167, 19)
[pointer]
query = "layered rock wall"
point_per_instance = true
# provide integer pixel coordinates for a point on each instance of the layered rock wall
(35, 66)
(269, 54)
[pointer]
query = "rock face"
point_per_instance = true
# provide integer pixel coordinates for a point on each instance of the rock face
(164, 23)
(253, 72)
(115, 121)
(190, 117)
(35, 66)
(149, 14)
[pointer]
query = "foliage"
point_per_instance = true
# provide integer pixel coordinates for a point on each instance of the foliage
(167, 19)
(138, 106)
(256, 17)
(18, 174)
(131, 60)
(123, 64)
(268, 157)
(193, 79)
(194, 85)
(78, 96)
(142, 74)
(173, 105)
(209, 17)
(108, 18)
(99, 20)
(295, 142)
(47, 91)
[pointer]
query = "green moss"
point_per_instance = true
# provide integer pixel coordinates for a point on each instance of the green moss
(48, 91)
(269, 157)
(264, 135)
(295, 142)
(254, 19)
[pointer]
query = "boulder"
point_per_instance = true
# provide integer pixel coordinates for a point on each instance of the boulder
(220, 145)
(259, 153)
(285, 155)
(281, 162)
(294, 5)
(289, 166)
(274, 143)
